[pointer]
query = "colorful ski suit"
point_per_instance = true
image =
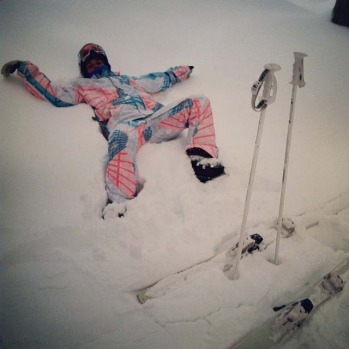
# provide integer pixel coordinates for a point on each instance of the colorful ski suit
(129, 117)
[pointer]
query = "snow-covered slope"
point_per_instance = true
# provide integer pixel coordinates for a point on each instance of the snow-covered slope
(69, 279)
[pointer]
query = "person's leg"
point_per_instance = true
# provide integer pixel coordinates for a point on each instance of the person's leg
(122, 182)
(193, 113)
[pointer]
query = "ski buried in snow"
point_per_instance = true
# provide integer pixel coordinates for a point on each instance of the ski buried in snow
(290, 317)
(254, 243)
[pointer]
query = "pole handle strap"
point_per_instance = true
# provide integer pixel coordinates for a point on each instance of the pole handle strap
(267, 79)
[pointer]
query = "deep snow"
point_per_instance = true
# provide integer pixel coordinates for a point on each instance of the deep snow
(69, 278)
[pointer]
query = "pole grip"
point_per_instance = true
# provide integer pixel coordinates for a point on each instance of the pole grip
(270, 86)
(298, 69)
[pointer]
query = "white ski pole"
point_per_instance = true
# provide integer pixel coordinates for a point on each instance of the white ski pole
(297, 81)
(269, 94)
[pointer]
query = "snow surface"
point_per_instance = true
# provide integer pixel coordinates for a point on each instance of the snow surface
(68, 278)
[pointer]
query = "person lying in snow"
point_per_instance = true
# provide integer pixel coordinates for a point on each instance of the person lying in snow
(129, 117)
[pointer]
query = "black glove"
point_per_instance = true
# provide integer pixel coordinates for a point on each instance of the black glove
(10, 68)
(191, 68)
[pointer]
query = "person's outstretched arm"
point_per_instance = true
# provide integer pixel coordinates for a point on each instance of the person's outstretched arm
(40, 85)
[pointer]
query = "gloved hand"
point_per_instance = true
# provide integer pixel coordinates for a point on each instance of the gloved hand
(191, 67)
(10, 68)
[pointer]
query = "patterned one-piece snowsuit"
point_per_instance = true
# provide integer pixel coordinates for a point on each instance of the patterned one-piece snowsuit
(129, 117)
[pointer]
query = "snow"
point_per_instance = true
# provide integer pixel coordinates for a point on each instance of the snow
(69, 278)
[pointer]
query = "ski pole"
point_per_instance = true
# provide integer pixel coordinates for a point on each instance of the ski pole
(269, 94)
(297, 81)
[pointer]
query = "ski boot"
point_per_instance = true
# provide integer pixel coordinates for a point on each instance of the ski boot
(204, 165)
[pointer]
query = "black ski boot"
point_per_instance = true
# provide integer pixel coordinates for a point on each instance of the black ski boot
(204, 165)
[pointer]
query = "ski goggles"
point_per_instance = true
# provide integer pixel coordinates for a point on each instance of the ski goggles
(85, 52)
